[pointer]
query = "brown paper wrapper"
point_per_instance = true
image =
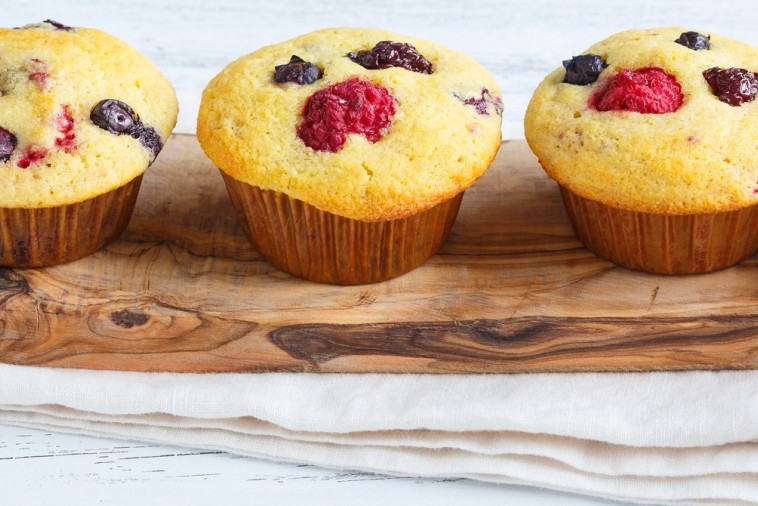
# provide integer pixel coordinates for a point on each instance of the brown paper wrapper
(324, 247)
(55, 235)
(664, 244)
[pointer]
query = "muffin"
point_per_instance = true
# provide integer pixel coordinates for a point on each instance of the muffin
(82, 116)
(346, 151)
(650, 135)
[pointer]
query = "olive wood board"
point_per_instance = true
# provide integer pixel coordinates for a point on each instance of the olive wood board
(512, 290)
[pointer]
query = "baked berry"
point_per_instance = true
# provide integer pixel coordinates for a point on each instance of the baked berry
(694, 40)
(734, 86)
(58, 26)
(583, 69)
(297, 71)
(150, 139)
(354, 106)
(649, 90)
(114, 116)
(8, 144)
(386, 54)
(481, 104)
(64, 123)
(120, 119)
(38, 72)
(33, 154)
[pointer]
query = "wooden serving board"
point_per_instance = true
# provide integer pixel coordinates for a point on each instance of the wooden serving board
(512, 290)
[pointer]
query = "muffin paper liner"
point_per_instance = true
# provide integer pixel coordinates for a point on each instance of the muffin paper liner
(55, 235)
(664, 244)
(324, 247)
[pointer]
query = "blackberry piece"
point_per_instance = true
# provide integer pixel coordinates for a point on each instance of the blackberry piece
(150, 139)
(8, 144)
(386, 54)
(583, 69)
(735, 86)
(694, 40)
(297, 71)
(59, 26)
(481, 104)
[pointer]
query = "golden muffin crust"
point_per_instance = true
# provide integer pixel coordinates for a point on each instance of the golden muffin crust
(700, 158)
(435, 147)
(50, 80)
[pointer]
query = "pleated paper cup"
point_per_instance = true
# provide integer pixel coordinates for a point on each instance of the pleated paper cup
(661, 243)
(320, 246)
(39, 237)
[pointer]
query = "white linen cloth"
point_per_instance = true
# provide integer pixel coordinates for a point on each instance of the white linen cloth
(662, 438)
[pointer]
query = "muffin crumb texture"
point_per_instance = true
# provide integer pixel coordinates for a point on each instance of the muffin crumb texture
(52, 78)
(668, 125)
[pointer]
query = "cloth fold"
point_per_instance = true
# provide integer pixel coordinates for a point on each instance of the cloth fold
(659, 438)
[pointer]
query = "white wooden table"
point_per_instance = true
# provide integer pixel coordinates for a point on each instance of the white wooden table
(191, 40)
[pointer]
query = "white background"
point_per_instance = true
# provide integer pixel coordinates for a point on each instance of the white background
(191, 40)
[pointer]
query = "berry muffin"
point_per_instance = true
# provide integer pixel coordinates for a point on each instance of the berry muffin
(82, 115)
(346, 151)
(651, 137)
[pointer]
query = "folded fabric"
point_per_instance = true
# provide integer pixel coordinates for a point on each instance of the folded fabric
(663, 438)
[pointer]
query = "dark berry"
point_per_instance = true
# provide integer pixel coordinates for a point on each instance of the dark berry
(297, 71)
(694, 40)
(583, 69)
(114, 116)
(388, 54)
(350, 107)
(648, 90)
(8, 144)
(481, 104)
(120, 119)
(734, 86)
(64, 123)
(58, 26)
(149, 138)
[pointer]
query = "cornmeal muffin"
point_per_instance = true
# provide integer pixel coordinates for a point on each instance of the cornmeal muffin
(346, 151)
(650, 135)
(82, 116)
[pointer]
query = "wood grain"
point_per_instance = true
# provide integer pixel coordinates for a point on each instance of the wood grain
(511, 291)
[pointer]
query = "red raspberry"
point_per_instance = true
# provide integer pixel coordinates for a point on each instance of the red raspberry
(648, 90)
(64, 123)
(350, 107)
(33, 154)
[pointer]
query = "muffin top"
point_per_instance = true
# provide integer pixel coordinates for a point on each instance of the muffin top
(81, 113)
(660, 121)
(361, 123)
